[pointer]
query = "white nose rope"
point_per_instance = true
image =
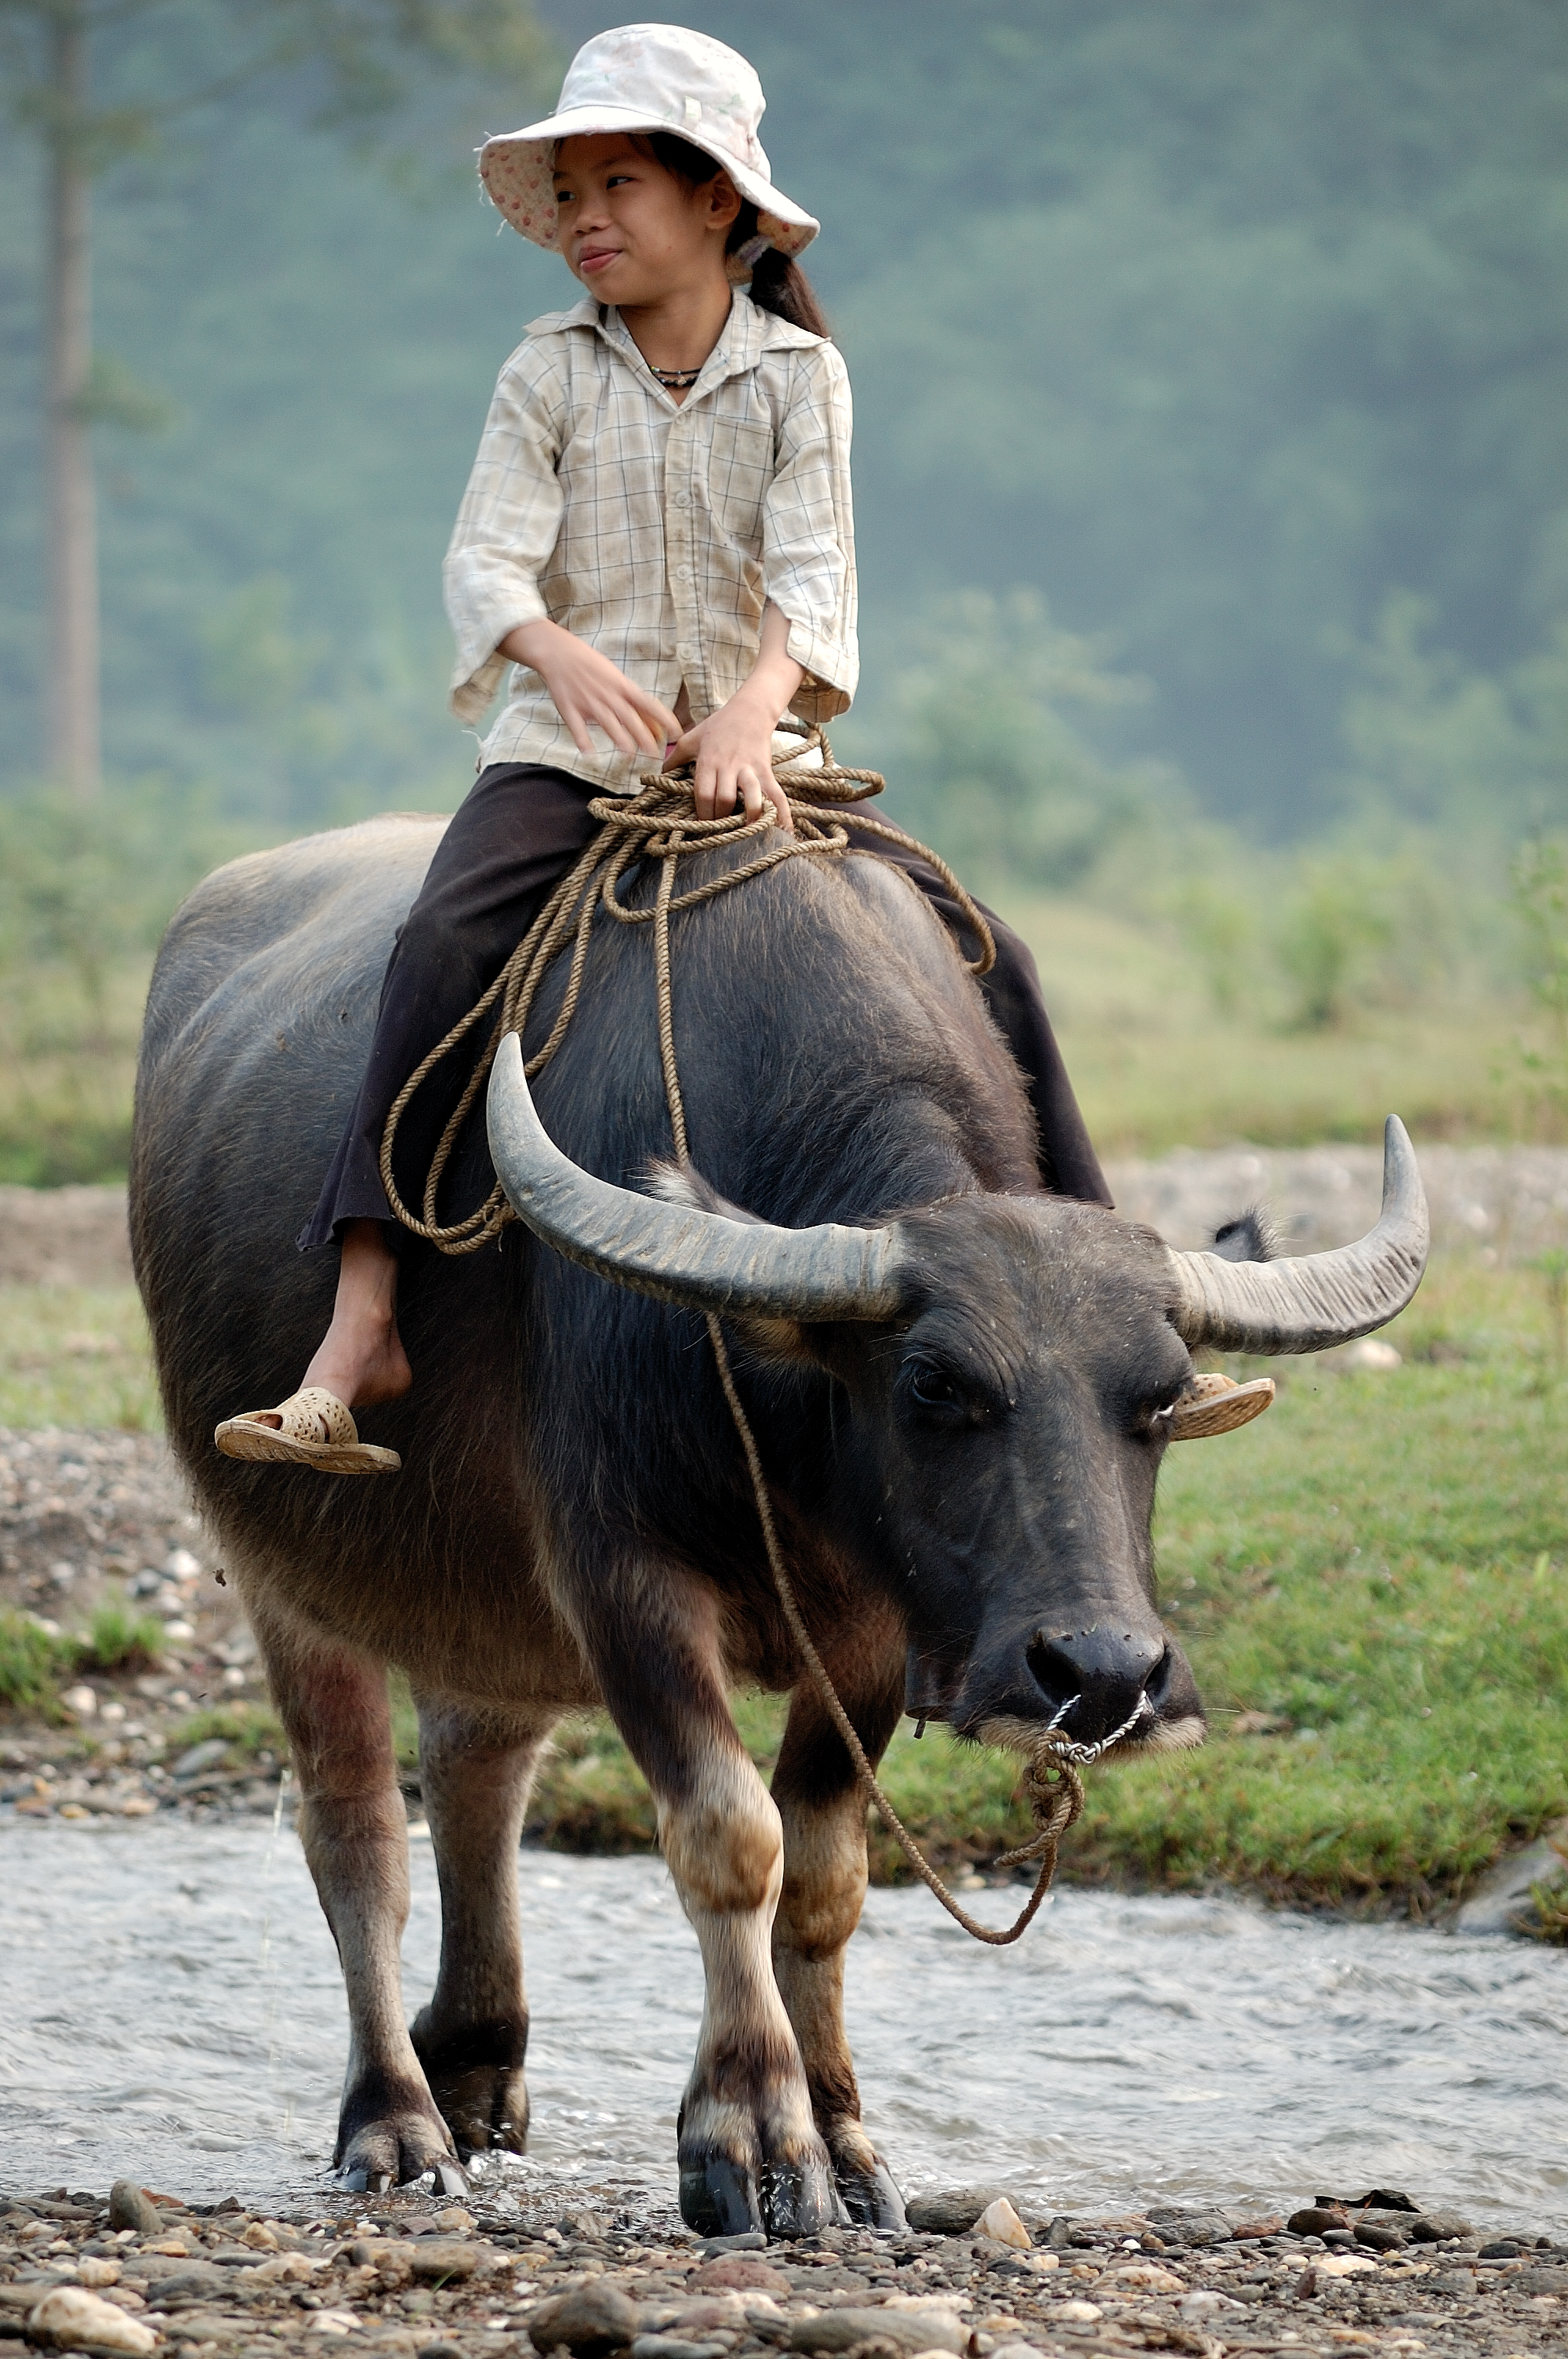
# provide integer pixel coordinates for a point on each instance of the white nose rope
(1082, 1754)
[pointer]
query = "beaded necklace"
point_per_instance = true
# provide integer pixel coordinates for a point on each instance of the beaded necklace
(676, 380)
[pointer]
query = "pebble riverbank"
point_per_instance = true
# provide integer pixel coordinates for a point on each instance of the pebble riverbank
(127, 2274)
(86, 1515)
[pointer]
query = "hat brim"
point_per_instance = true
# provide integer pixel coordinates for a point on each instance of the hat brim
(518, 172)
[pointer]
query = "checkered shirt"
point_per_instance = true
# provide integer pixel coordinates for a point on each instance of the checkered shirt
(655, 531)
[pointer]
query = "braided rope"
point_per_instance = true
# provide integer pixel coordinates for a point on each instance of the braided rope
(660, 824)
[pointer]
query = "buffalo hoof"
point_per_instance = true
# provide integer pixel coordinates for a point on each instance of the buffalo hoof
(391, 2148)
(722, 2198)
(476, 2078)
(871, 2200)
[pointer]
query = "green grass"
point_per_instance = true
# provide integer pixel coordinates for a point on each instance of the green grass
(1155, 1067)
(75, 1355)
(249, 1729)
(33, 1662)
(67, 1073)
(120, 1639)
(1153, 1064)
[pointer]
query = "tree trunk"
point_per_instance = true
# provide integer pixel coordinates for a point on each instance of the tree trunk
(74, 752)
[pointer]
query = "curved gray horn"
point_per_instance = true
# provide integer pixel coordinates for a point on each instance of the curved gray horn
(679, 1252)
(1317, 1300)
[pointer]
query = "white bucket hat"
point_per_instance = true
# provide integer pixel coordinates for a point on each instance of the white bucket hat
(647, 78)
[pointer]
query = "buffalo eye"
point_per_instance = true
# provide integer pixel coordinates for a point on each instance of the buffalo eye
(932, 1389)
(1154, 1413)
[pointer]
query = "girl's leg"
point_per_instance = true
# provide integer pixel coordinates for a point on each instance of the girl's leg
(1068, 1164)
(361, 1358)
(513, 839)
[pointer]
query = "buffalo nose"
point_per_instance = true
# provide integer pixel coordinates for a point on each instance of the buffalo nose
(1094, 1681)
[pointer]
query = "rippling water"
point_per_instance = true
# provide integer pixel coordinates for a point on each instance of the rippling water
(170, 2007)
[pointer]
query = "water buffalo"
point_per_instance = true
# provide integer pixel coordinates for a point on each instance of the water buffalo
(962, 1388)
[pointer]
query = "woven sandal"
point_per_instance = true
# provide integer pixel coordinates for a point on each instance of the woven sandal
(1218, 1404)
(314, 1430)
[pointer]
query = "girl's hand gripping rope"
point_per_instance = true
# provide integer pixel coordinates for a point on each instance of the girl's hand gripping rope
(733, 750)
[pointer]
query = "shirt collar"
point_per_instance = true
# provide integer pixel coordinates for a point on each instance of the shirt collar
(748, 333)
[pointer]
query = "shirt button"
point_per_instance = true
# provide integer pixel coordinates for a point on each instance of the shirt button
(683, 573)
(683, 499)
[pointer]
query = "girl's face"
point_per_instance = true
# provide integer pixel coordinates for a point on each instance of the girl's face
(633, 233)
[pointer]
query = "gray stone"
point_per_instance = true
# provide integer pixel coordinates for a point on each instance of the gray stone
(1500, 1902)
(1180, 2227)
(1551, 2278)
(591, 2322)
(674, 2346)
(189, 2287)
(437, 2261)
(907, 2329)
(130, 2206)
(206, 1756)
(952, 2214)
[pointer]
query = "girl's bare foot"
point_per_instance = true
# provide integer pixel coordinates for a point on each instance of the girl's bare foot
(360, 1361)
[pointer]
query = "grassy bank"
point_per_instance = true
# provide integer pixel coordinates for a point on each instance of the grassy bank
(1372, 1582)
(1154, 1065)
(75, 1355)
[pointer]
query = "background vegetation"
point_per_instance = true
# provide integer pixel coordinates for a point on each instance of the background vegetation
(1218, 328)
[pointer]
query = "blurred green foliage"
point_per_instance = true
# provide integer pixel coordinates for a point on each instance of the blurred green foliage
(85, 893)
(983, 757)
(1215, 327)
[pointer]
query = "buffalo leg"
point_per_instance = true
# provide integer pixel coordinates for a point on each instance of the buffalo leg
(355, 1832)
(749, 2153)
(476, 1772)
(823, 1811)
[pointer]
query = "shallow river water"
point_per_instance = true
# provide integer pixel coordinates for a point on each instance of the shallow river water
(170, 2008)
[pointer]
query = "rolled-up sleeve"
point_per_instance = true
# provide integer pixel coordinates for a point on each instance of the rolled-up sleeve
(808, 533)
(507, 525)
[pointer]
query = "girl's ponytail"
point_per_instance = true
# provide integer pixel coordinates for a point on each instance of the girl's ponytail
(777, 284)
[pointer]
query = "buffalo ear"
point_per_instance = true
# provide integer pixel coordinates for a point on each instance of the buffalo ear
(777, 1342)
(833, 1348)
(1213, 1405)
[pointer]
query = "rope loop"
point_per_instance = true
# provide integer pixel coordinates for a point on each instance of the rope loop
(659, 826)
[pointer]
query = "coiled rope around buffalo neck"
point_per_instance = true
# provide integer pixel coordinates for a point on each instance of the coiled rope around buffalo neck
(660, 825)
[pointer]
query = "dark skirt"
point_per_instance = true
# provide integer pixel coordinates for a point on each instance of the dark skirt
(512, 841)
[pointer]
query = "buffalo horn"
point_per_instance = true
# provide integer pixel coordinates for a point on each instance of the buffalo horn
(1315, 1301)
(679, 1253)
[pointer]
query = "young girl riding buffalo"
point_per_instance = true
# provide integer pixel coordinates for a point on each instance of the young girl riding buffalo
(657, 544)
